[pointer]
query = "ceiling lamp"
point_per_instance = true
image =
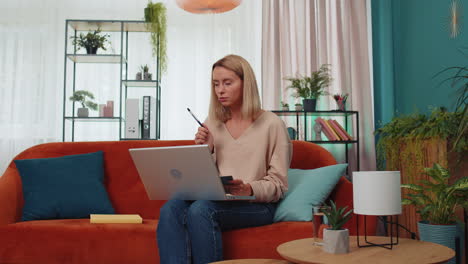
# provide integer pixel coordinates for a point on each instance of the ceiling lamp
(207, 6)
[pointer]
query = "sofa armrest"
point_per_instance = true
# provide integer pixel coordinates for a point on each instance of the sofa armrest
(342, 195)
(11, 197)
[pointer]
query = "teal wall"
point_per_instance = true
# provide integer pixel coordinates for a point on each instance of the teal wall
(412, 44)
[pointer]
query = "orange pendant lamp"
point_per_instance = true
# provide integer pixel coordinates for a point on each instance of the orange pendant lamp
(208, 6)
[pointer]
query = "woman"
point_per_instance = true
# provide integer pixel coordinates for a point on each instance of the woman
(248, 143)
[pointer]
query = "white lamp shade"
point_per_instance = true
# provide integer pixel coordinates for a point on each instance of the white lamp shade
(377, 192)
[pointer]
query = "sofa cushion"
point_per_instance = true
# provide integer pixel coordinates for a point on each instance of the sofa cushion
(78, 241)
(64, 187)
(307, 188)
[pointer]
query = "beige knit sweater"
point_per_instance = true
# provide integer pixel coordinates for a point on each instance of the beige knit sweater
(260, 156)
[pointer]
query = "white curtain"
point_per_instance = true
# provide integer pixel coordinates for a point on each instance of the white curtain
(301, 35)
(31, 66)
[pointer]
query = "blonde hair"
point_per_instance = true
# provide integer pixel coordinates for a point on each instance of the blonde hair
(250, 97)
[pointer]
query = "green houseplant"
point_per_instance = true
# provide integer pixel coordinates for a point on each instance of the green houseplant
(284, 106)
(85, 99)
(309, 88)
(155, 16)
(436, 201)
(91, 41)
(335, 238)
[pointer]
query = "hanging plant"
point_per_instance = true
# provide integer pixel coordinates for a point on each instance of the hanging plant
(155, 16)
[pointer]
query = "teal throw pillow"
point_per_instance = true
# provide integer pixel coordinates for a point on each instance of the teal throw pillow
(64, 188)
(307, 188)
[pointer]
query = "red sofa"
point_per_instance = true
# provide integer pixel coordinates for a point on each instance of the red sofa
(78, 241)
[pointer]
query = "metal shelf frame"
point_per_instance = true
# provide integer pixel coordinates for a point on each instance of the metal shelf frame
(124, 27)
(346, 114)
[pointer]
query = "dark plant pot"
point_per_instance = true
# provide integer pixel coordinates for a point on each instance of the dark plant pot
(309, 104)
(441, 234)
(91, 50)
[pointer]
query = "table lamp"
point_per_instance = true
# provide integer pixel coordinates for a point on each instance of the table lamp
(377, 193)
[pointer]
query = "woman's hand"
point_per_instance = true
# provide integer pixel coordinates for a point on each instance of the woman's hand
(203, 136)
(238, 187)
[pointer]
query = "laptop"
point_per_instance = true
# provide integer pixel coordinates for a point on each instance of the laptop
(180, 172)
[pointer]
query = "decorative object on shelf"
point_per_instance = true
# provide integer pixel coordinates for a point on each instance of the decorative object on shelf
(81, 97)
(298, 107)
(109, 109)
(284, 106)
(336, 238)
(311, 88)
(138, 76)
(436, 201)
(155, 15)
(292, 133)
(91, 41)
(146, 74)
(208, 6)
(101, 110)
(318, 131)
(340, 100)
(377, 193)
(455, 17)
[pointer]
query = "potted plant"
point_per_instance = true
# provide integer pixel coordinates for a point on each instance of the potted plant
(82, 96)
(145, 71)
(436, 202)
(284, 106)
(91, 41)
(298, 107)
(335, 238)
(310, 88)
(155, 16)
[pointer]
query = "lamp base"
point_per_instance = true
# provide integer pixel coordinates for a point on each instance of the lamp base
(384, 245)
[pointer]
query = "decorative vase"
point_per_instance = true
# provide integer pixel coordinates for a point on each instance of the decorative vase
(138, 76)
(309, 104)
(83, 112)
(336, 241)
(147, 76)
(91, 50)
(445, 235)
(298, 107)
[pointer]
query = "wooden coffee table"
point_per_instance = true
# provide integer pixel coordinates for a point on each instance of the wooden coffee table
(252, 261)
(407, 251)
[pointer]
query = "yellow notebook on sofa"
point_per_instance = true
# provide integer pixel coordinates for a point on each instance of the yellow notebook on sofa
(116, 219)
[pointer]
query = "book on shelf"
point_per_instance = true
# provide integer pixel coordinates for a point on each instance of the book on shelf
(149, 118)
(337, 137)
(349, 137)
(326, 129)
(337, 129)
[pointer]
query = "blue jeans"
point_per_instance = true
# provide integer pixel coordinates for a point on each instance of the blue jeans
(190, 231)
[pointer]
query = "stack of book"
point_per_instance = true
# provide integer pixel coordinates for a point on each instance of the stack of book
(333, 130)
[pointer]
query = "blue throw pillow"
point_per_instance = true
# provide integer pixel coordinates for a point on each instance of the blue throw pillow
(65, 187)
(307, 188)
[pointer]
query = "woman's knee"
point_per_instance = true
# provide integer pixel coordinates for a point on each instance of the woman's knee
(173, 208)
(201, 209)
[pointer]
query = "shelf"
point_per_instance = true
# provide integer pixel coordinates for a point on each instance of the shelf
(314, 113)
(333, 142)
(109, 25)
(93, 119)
(140, 83)
(99, 58)
(138, 139)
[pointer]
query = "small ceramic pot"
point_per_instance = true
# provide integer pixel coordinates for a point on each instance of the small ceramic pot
(336, 241)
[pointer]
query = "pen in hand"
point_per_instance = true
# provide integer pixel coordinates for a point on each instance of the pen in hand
(196, 119)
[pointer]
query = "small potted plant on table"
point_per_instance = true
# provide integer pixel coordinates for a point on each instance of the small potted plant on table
(284, 106)
(335, 238)
(81, 97)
